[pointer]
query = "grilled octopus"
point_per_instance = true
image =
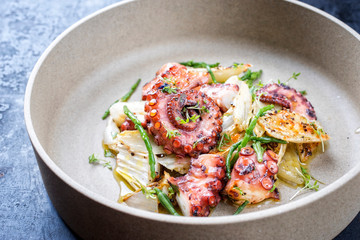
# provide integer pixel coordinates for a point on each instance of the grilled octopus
(187, 122)
(287, 97)
(252, 180)
(290, 98)
(198, 190)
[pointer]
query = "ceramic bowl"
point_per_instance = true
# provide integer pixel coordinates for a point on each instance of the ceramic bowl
(96, 60)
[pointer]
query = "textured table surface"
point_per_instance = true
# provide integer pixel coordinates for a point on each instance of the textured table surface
(27, 27)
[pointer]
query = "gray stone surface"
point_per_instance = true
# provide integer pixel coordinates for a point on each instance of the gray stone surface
(26, 29)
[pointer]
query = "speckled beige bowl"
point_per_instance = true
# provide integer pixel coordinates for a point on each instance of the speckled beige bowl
(96, 60)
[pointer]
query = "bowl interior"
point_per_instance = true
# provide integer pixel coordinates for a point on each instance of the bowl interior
(95, 63)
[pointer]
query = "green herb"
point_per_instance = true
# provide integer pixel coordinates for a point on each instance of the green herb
(202, 65)
(94, 160)
(310, 183)
(255, 88)
(108, 153)
(169, 89)
(249, 77)
(194, 117)
(319, 131)
(172, 133)
(146, 139)
(259, 150)
(182, 121)
(123, 99)
(201, 109)
(224, 140)
(303, 92)
(240, 191)
(170, 80)
(241, 207)
(294, 76)
(165, 201)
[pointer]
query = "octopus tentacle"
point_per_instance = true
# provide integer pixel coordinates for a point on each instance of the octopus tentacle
(199, 189)
(185, 123)
(287, 97)
(252, 180)
(176, 75)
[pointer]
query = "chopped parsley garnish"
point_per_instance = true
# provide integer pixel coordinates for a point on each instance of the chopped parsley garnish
(94, 160)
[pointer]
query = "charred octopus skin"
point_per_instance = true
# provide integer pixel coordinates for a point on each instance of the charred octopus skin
(287, 97)
(198, 190)
(252, 180)
(175, 75)
(185, 123)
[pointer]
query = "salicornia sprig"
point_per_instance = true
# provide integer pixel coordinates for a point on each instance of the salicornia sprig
(165, 201)
(123, 99)
(211, 74)
(250, 129)
(241, 207)
(267, 139)
(193, 64)
(202, 65)
(229, 157)
(132, 90)
(107, 112)
(249, 77)
(145, 137)
(259, 150)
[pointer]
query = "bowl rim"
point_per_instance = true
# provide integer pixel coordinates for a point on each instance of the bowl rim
(274, 211)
